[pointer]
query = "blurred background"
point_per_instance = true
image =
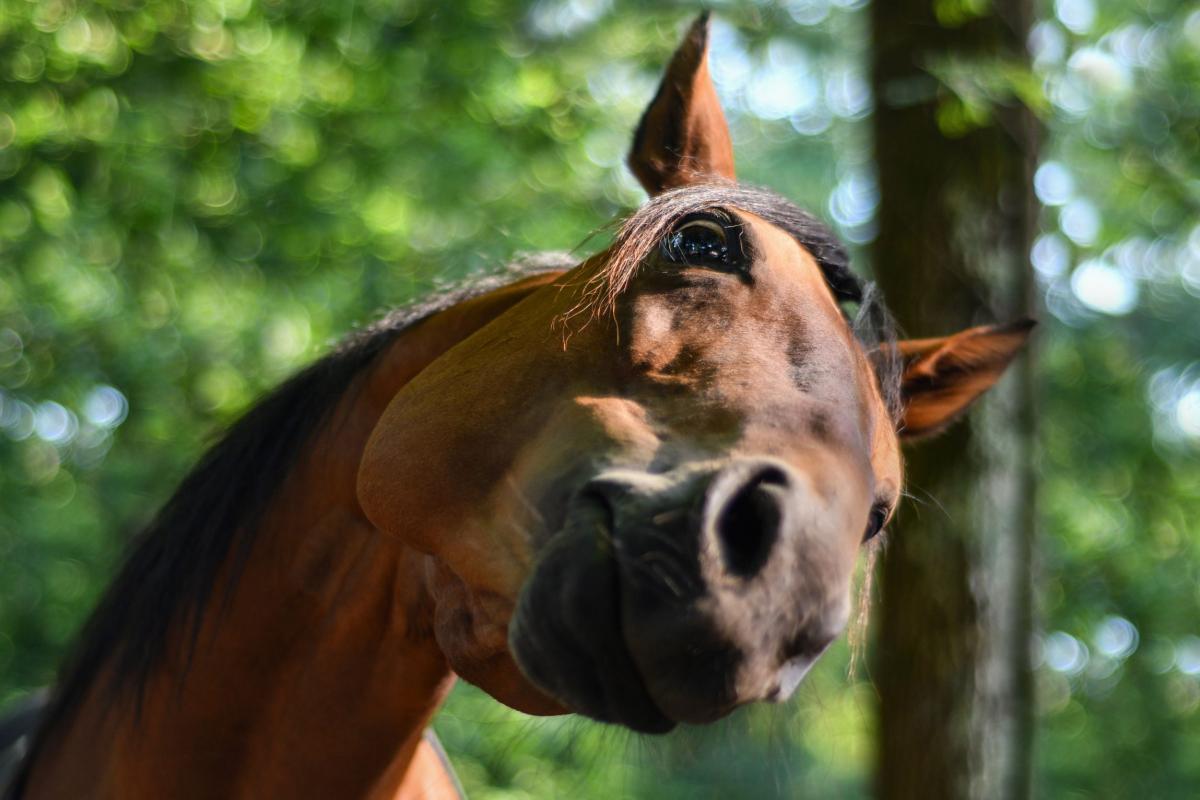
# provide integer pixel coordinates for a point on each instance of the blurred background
(197, 198)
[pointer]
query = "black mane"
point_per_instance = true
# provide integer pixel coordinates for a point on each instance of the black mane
(170, 572)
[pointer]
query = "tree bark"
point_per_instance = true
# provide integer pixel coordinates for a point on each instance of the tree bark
(955, 220)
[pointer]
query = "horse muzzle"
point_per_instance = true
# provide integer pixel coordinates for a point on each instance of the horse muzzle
(679, 597)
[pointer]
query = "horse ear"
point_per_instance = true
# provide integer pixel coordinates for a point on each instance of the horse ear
(683, 137)
(942, 377)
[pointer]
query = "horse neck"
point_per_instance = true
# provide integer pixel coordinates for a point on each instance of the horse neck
(318, 677)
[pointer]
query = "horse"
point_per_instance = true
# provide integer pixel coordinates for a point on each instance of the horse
(633, 488)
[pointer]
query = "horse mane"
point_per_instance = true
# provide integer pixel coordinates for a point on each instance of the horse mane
(171, 569)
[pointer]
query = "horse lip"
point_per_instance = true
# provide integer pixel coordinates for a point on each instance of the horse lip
(663, 723)
(610, 700)
(700, 713)
(576, 660)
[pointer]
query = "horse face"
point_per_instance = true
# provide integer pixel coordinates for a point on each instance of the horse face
(739, 453)
(656, 520)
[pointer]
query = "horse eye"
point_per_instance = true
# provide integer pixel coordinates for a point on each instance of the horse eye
(701, 242)
(879, 515)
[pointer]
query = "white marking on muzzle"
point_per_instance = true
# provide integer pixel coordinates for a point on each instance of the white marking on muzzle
(790, 675)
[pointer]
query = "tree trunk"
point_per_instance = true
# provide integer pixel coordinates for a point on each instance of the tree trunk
(955, 155)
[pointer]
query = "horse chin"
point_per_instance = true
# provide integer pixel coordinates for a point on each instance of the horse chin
(471, 632)
(500, 677)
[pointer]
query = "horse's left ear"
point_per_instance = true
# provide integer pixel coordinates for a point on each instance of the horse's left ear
(683, 137)
(942, 377)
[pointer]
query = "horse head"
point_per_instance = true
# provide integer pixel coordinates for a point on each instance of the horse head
(642, 490)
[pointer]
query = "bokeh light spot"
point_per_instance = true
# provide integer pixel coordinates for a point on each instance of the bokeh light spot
(105, 407)
(1104, 288)
(53, 423)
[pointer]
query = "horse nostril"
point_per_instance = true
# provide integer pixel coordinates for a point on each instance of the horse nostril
(748, 524)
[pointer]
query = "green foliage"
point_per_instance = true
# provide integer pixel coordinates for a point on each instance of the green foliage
(196, 198)
(813, 747)
(1119, 265)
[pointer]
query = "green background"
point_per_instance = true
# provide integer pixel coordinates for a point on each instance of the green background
(197, 198)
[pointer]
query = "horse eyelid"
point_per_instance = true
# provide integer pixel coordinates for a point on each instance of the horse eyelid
(711, 225)
(889, 507)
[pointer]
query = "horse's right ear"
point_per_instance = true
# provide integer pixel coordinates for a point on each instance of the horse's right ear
(683, 137)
